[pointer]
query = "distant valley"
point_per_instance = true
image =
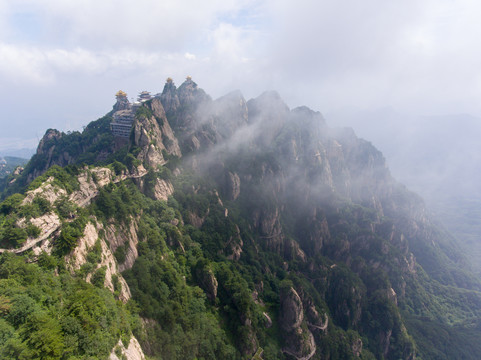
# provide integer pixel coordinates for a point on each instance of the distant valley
(9, 163)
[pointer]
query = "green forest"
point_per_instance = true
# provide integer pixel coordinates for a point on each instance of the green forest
(295, 243)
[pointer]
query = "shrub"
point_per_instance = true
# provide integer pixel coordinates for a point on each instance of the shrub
(98, 278)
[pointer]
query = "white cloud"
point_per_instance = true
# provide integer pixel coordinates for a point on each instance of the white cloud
(18, 64)
(146, 24)
(419, 55)
(43, 66)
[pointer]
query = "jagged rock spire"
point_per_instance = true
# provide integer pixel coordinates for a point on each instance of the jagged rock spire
(169, 98)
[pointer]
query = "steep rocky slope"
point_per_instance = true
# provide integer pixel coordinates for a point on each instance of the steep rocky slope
(243, 229)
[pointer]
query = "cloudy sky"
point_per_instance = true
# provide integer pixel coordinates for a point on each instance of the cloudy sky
(61, 61)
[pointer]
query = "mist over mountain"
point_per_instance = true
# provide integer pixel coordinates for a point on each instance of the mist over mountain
(439, 157)
(184, 227)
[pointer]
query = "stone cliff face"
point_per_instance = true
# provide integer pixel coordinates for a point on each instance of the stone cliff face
(229, 113)
(169, 97)
(321, 202)
(181, 104)
(45, 148)
(132, 352)
(153, 135)
(168, 138)
(79, 257)
(299, 341)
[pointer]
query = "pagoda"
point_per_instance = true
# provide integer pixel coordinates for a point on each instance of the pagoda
(120, 94)
(144, 96)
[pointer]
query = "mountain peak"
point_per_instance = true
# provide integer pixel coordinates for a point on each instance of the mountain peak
(274, 234)
(122, 102)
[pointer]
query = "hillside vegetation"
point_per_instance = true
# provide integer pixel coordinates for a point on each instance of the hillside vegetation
(225, 229)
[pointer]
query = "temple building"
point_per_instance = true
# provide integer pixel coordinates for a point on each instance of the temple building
(144, 96)
(123, 116)
(122, 123)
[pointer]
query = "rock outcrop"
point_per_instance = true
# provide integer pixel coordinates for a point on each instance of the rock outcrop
(233, 184)
(320, 202)
(233, 248)
(299, 341)
(170, 100)
(90, 181)
(153, 135)
(79, 257)
(46, 190)
(162, 190)
(208, 282)
(123, 236)
(148, 137)
(132, 352)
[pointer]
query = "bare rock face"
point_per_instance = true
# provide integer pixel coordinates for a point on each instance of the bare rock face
(232, 185)
(78, 257)
(163, 189)
(209, 283)
(190, 94)
(292, 312)
(169, 98)
(234, 245)
(90, 182)
(385, 340)
(18, 170)
(148, 137)
(267, 320)
(314, 319)
(299, 341)
(292, 250)
(48, 224)
(45, 149)
(184, 104)
(317, 229)
(269, 226)
(52, 151)
(197, 220)
(169, 140)
(153, 135)
(132, 352)
(47, 191)
(391, 295)
(50, 135)
(124, 236)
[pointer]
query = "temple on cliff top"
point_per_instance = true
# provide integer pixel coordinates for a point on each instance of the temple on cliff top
(124, 111)
(123, 116)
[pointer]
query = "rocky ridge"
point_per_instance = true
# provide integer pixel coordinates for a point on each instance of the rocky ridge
(319, 201)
